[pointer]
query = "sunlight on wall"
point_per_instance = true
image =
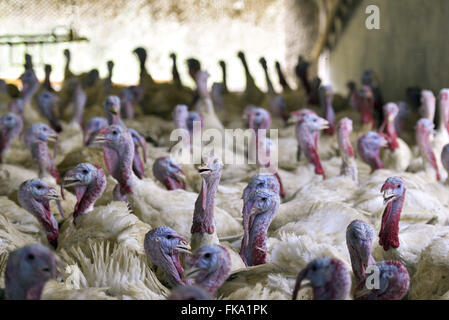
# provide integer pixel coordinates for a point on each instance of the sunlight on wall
(208, 30)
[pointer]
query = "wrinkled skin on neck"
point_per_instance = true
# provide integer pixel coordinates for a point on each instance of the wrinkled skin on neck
(11, 126)
(359, 239)
(209, 267)
(394, 282)
(348, 166)
(388, 127)
(39, 206)
(394, 195)
(258, 212)
(424, 130)
(138, 164)
(168, 172)
(368, 147)
(330, 280)
(163, 247)
(203, 215)
(41, 155)
(307, 140)
(27, 271)
(118, 149)
(36, 138)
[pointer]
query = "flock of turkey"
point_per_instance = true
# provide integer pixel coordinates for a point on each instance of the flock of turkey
(94, 205)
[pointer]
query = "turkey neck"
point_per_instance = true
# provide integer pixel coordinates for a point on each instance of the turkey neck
(388, 235)
(268, 80)
(29, 92)
(426, 149)
(79, 102)
(329, 115)
(120, 164)
(247, 73)
(47, 83)
(40, 154)
(89, 195)
(203, 215)
(67, 68)
(391, 134)
(366, 109)
(225, 82)
(308, 142)
(41, 210)
(443, 122)
(175, 73)
(360, 260)
(345, 145)
(282, 79)
(255, 252)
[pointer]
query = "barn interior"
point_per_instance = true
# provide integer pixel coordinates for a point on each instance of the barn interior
(224, 149)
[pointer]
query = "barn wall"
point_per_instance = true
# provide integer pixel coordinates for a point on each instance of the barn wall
(411, 47)
(209, 30)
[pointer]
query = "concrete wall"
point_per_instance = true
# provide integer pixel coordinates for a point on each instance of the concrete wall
(411, 47)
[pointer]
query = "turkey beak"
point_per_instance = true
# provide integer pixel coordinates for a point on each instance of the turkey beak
(70, 180)
(183, 247)
(52, 194)
(52, 137)
(204, 169)
(388, 192)
(114, 110)
(324, 124)
(388, 195)
(99, 139)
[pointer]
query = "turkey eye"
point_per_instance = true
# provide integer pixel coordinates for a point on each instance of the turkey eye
(169, 237)
(207, 255)
(264, 199)
(85, 171)
(30, 256)
(39, 187)
(398, 186)
(114, 133)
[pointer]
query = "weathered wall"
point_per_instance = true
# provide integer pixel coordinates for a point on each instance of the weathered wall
(208, 29)
(411, 47)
